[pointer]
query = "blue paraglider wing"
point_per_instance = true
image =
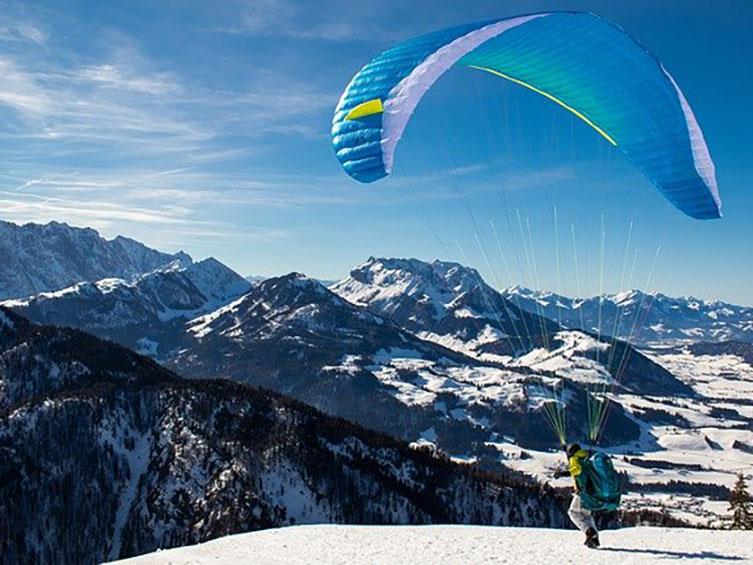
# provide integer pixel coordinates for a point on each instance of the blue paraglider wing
(581, 62)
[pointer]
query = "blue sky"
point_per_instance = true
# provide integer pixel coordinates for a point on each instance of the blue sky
(205, 127)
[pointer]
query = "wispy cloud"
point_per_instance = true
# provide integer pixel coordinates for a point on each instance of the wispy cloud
(118, 78)
(320, 21)
(190, 187)
(127, 106)
(175, 207)
(278, 105)
(21, 92)
(170, 217)
(97, 107)
(17, 29)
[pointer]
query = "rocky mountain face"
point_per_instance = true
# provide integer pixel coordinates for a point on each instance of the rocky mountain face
(147, 314)
(36, 258)
(446, 303)
(294, 336)
(450, 304)
(641, 318)
(104, 454)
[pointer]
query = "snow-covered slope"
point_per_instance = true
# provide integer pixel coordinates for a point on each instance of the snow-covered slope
(36, 258)
(146, 314)
(642, 318)
(349, 545)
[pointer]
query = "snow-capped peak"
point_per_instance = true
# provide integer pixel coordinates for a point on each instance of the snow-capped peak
(444, 302)
(662, 318)
(382, 281)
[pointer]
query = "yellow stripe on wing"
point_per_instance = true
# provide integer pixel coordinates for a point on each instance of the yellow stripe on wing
(604, 134)
(367, 108)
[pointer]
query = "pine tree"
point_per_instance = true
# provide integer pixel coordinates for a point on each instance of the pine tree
(741, 506)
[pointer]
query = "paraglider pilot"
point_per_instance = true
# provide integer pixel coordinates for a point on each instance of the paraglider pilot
(579, 512)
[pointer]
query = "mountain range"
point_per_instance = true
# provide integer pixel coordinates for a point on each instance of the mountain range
(294, 336)
(645, 319)
(147, 313)
(430, 345)
(431, 354)
(36, 258)
(104, 454)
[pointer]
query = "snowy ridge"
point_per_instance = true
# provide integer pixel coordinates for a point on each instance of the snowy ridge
(380, 282)
(147, 313)
(566, 358)
(643, 318)
(348, 545)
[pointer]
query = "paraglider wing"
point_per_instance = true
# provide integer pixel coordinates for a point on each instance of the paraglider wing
(583, 63)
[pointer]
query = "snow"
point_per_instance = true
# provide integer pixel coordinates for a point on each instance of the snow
(470, 346)
(290, 491)
(710, 375)
(682, 319)
(394, 354)
(202, 325)
(419, 382)
(568, 359)
(460, 544)
(384, 283)
(349, 364)
(137, 459)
